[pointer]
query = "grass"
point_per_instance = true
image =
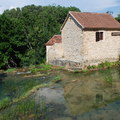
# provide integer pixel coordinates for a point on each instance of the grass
(100, 66)
(25, 110)
(10, 70)
(41, 67)
(108, 76)
(33, 68)
(104, 65)
(57, 79)
(19, 88)
(8, 102)
(109, 79)
(4, 102)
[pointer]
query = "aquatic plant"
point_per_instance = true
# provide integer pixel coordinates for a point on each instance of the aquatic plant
(105, 64)
(109, 79)
(107, 75)
(41, 67)
(25, 110)
(57, 79)
(10, 70)
(19, 89)
(4, 102)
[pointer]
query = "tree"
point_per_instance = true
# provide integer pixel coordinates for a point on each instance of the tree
(25, 31)
(110, 12)
(118, 18)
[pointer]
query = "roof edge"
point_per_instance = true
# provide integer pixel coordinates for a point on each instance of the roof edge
(48, 44)
(76, 19)
(73, 18)
(64, 22)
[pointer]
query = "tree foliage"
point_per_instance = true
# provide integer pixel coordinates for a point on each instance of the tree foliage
(118, 18)
(25, 30)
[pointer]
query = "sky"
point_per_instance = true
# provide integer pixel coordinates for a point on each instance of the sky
(100, 6)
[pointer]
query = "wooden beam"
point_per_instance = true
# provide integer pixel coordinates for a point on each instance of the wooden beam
(115, 34)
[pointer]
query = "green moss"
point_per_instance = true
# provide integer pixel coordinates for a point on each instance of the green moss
(4, 102)
(57, 79)
(7, 101)
(10, 70)
(41, 67)
(104, 65)
(25, 110)
(85, 71)
(61, 67)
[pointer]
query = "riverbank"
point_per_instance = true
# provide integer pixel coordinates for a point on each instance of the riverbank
(45, 69)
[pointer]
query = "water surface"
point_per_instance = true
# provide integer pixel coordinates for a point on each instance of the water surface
(83, 96)
(79, 96)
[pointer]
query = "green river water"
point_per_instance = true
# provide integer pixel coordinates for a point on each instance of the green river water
(79, 96)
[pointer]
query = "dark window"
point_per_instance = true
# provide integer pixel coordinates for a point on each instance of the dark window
(99, 36)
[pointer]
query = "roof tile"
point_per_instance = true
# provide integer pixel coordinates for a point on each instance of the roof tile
(54, 39)
(96, 20)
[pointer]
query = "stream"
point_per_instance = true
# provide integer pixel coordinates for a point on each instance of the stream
(79, 96)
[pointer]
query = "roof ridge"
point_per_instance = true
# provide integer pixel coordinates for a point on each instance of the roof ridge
(53, 40)
(89, 12)
(57, 35)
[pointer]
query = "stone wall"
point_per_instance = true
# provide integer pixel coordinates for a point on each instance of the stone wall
(107, 49)
(80, 49)
(72, 41)
(54, 52)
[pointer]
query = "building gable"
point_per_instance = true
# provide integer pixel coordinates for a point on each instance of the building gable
(93, 21)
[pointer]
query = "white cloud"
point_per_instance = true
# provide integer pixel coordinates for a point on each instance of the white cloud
(84, 5)
(94, 5)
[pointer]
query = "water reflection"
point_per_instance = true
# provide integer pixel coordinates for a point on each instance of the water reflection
(2, 76)
(89, 96)
(90, 91)
(80, 96)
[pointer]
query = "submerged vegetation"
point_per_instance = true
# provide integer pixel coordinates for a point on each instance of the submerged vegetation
(41, 67)
(22, 36)
(20, 88)
(18, 94)
(10, 70)
(25, 110)
(57, 79)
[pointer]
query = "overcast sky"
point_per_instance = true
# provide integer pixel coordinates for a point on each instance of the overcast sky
(83, 5)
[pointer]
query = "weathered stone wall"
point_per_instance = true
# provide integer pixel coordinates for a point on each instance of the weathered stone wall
(72, 41)
(80, 49)
(54, 52)
(107, 49)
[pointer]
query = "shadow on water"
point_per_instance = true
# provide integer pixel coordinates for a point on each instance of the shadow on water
(2, 76)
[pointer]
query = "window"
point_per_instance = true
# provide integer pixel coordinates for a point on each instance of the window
(99, 36)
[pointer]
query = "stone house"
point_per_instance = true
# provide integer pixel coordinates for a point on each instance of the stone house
(86, 39)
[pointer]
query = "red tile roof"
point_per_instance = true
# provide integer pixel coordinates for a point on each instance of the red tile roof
(54, 39)
(95, 20)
